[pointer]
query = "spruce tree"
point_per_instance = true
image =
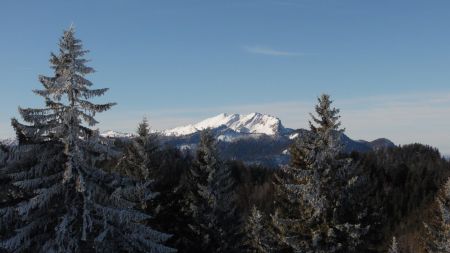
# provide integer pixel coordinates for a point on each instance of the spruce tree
(211, 200)
(393, 248)
(437, 237)
(137, 160)
(257, 236)
(143, 129)
(312, 192)
(225, 215)
(70, 204)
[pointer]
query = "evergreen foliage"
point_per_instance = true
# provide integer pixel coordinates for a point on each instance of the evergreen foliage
(437, 238)
(70, 205)
(143, 129)
(211, 199)
(400, 186)
(168, 207)
(312, 192)
(57, 193)
(3, 154)
(257, 238)
(394, 246)
(137, 160)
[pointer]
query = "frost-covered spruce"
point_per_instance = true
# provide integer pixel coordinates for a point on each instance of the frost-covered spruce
(437, 238)
(211, 199)
(313, 190)
(393, 248)
(143, 129)
(70, 205)
(137, 158)
(256, 233)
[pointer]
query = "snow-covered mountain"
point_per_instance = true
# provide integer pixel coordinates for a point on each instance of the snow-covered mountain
(115, 134)
(253, 123)
(252, 138)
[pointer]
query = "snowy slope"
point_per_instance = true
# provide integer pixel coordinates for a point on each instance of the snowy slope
(253, 123)
(114, 134)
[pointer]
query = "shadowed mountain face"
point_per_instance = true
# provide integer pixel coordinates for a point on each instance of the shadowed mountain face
(269, 150)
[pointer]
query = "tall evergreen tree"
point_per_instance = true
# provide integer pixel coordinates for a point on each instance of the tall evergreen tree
(312, 191)
(72, 206)
(437, 238)
(211, 199)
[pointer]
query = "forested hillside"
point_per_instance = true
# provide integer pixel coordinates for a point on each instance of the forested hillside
(65, 188)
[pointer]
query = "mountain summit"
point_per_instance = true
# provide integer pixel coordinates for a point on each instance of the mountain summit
(254, 138)
(253, 123)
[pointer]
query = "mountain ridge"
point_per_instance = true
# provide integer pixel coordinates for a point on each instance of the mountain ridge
(252, 123)
(231, 126)
(252, 138)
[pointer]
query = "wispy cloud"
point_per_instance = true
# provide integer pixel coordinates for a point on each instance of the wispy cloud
(270, 51)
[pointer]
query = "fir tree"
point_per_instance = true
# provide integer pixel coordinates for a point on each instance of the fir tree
(137, 159)
(393, 248)
(312, 191)
(71, 205)
(225, 214)
(437, 238)
(143, 129)
(257, 235)
(211, 199)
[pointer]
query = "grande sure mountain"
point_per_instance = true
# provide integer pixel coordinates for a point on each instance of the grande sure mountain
(254, 138)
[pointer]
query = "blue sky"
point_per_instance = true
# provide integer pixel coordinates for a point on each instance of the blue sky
(386, 63)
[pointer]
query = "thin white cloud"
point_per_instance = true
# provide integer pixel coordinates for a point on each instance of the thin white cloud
(270, 51)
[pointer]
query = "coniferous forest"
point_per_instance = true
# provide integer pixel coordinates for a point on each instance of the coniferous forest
(65, 188)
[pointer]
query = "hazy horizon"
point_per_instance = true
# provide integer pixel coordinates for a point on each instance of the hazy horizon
(384, 63)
